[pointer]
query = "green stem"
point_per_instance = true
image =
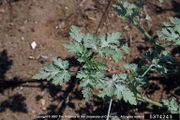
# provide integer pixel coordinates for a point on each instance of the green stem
(152, 65)
(145, 99)
(146, 34)
(109, 109)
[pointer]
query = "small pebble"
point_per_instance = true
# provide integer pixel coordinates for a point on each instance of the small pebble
(31, 58)
(21, 88)
(66, 8)
(22, 38)
(44, 108)
(33, 111)
(43, 102)
(33, 45)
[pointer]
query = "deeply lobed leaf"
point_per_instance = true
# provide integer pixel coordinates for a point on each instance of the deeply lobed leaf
(108, 45)
(171, 31)
(76, 34)
(118, 87)
(172, 105)
(56, 71)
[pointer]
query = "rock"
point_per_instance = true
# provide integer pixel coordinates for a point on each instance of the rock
(33, 45)
(22, 38)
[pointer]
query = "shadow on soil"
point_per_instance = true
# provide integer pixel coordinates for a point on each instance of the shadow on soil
(170, 81)
(5, 64)
(15, 103)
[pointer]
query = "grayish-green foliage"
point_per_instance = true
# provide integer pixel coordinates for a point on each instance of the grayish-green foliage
(157, 57)
(122, 86)
(129, 11)
(108, 45)
(88, 79)
(118, 86)
(171, 30)
(90, 75)
(172, 105)
(115, 118)
(133, 12)
(57, 71)
(76, 34)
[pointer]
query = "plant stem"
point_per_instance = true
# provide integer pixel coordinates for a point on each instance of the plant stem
(152, 65)
(142, 98)
(109, 109)
(146, 34)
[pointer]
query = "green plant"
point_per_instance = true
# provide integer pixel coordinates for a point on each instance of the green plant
(158, 56)
(120, 86)
(87, 47)
(171, 31)
(132, 12)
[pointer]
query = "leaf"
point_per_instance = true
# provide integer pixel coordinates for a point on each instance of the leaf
(117, 86)
(124, 92)
(110, 45)
(116, 54)
(62, 77)
(129, 11)
(132, 67)
(171, 31)
(110, 39)
(41, 75)
(87, 93)
(115, 118)
(56, 71)
(88, 81)
(90, 41)
(129, 96)
(110, 89)
(74, 47)
(172, 105)
(121, 76)
(76, 34)
(125, 48)
(107, 87)
(118, 91)
(94, 65)
(89, 78)
(60, 63)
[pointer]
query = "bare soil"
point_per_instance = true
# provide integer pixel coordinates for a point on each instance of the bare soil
(47, 23)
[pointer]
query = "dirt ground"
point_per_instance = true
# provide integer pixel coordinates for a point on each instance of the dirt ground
(47, 23)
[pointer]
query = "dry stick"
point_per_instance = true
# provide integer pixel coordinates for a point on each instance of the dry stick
(104, 15)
